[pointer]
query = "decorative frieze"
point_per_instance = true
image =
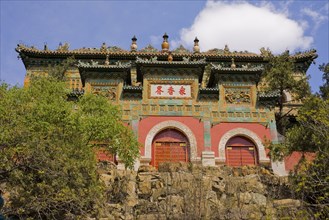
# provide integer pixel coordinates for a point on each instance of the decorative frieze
(237, 95)
(199, 110)
(108, 91)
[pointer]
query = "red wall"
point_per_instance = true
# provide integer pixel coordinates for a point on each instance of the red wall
(292, 160)
(219, 130)
(196, 126)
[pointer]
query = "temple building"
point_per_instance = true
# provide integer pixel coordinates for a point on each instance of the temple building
(189, 106)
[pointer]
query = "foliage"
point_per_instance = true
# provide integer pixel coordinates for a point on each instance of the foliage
(46, 148)
(311, 185)
(58, 72)
(324, 89)
(311, 134)
(310, 179)
(280, 76)
(103, 126)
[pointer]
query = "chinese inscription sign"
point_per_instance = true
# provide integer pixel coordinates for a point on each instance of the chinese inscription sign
(237, 95)
(170, 91)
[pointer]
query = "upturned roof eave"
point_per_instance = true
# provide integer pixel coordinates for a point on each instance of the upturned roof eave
(105, 72)
(169, 65)
(227, 70)
(128, 54)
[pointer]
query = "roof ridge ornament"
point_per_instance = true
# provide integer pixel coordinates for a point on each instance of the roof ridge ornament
(149, 49)
(196, 47)
(103, 47)
(186, 59)
(226, 49)
(138, 59)
(233, 66)
(107, 62)
(118, 63)
(165, 44)
(62, 47)
(83, 64)
(218, 66)
(266, 52)
(133, 46)
(181, 50)
(170, 57)
(94, 63)
(45, 47)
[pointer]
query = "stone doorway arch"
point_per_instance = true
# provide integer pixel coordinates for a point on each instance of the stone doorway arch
(170, 145)
(244, 133)
(174, 125)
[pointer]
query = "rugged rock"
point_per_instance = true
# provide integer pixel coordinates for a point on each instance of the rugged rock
(286, 203)
(189, 191)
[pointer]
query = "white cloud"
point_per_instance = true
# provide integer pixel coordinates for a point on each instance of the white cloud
(285, 6)
(317, 18)
(244, 26)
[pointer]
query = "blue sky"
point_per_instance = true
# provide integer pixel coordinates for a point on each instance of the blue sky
(243, 25)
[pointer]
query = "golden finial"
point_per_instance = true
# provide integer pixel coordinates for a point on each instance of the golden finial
(103, 47)
(196, 48)
(165, 44)
(133, 46)
(226, 49)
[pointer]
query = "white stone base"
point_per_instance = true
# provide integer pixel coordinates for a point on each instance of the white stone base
(121, 166)
(144, 161)
(208, 158)
(136, 164)
(278, 168)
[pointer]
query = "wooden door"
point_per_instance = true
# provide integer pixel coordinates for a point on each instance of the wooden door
(169, 152)
(240, 156)
(240, 152)
(169, 146)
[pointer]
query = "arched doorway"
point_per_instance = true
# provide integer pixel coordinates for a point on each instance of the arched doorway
(170, 145)
(240, 151)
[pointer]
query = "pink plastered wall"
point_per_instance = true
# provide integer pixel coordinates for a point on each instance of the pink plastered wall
(292, 160)
(219, 130)
(195, 125)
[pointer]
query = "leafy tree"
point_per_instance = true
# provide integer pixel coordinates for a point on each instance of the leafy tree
(324, 89)
(46, 148)
(312, 132)
(310, 179)
(311, 185)
(280, 76)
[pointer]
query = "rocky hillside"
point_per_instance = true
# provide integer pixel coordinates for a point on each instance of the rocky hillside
(186, 191)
